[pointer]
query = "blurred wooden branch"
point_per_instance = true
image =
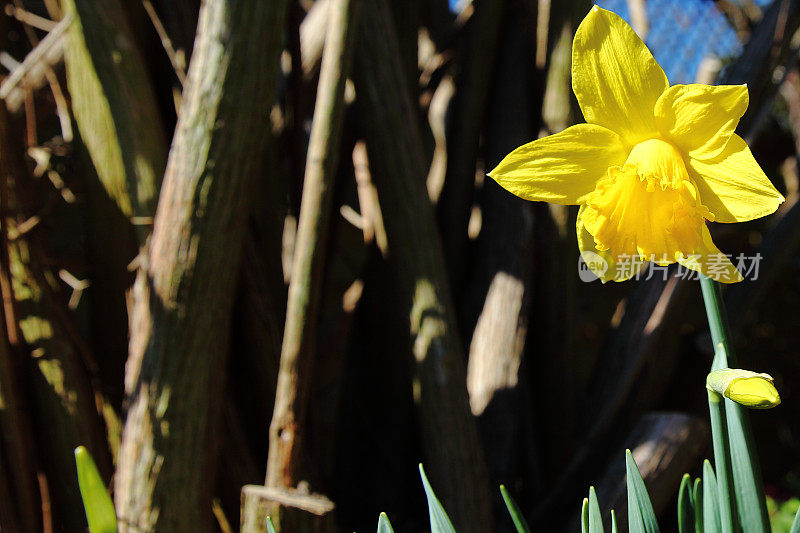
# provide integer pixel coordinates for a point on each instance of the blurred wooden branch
(303, 513)
(32, 72)
(770, 44)
(468, 106)
(497, 295)
(298, 352)
(449, 434)
(639, 19)
(740, 16)
(312, 36)
(179, 18)
(778, 249)
(184, 294)
(114, 105)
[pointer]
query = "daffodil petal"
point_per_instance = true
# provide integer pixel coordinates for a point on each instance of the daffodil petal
(733, 186)
(562, 168)
(615, 77)
(700, 119)
(708, 260)
(603, 263)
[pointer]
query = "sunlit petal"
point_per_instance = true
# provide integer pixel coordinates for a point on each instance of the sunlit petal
(561, 168)
(733, 186)
(615, 77)
(700, 119)
(708, 260)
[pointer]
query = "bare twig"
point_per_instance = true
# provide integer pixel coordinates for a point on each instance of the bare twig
(32, 59)
(178, 64)
(31, 19)
(298, 349)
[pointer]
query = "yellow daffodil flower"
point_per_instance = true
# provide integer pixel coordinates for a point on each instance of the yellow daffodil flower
(652, 164)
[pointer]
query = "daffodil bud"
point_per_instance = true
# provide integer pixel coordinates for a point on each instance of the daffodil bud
(744, 387)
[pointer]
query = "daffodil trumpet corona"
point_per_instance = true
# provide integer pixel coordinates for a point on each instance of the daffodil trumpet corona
(651, 165)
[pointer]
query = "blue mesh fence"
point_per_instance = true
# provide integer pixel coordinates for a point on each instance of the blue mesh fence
(683, 32)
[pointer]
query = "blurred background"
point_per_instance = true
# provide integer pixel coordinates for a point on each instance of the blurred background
(163, 306)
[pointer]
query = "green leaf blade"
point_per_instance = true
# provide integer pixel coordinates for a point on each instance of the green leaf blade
(440, 522)
(711, 522)
(686, 506)
(384, 526)
(595, 518)
(751, 502)
(751, 506)
(585, 516)
(100, 514)
(697, 496)
(513, 510)
(641, 517)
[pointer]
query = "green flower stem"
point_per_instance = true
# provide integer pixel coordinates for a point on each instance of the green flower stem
(722, 461)
(744, 475)
(718, 323)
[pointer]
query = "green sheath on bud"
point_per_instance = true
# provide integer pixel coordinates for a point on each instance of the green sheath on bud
(744, 387)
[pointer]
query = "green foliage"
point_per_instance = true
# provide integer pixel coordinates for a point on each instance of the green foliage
(686, 506)
(440, 522)
(711, 522)
(613, 521)
(270, 526)
(641, 517)
(750, 500)
(513, 510)
(585, 516)
(784, 517)
(384, 526)
(748, 488)
(595, 518)
(697, 496)
(97, 503)
(796, 523)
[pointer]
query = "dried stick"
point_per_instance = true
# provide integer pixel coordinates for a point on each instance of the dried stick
(299, 336)
(184, 295)
(453, 454)
(312, 37)
(176, 61)
(35, 56)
